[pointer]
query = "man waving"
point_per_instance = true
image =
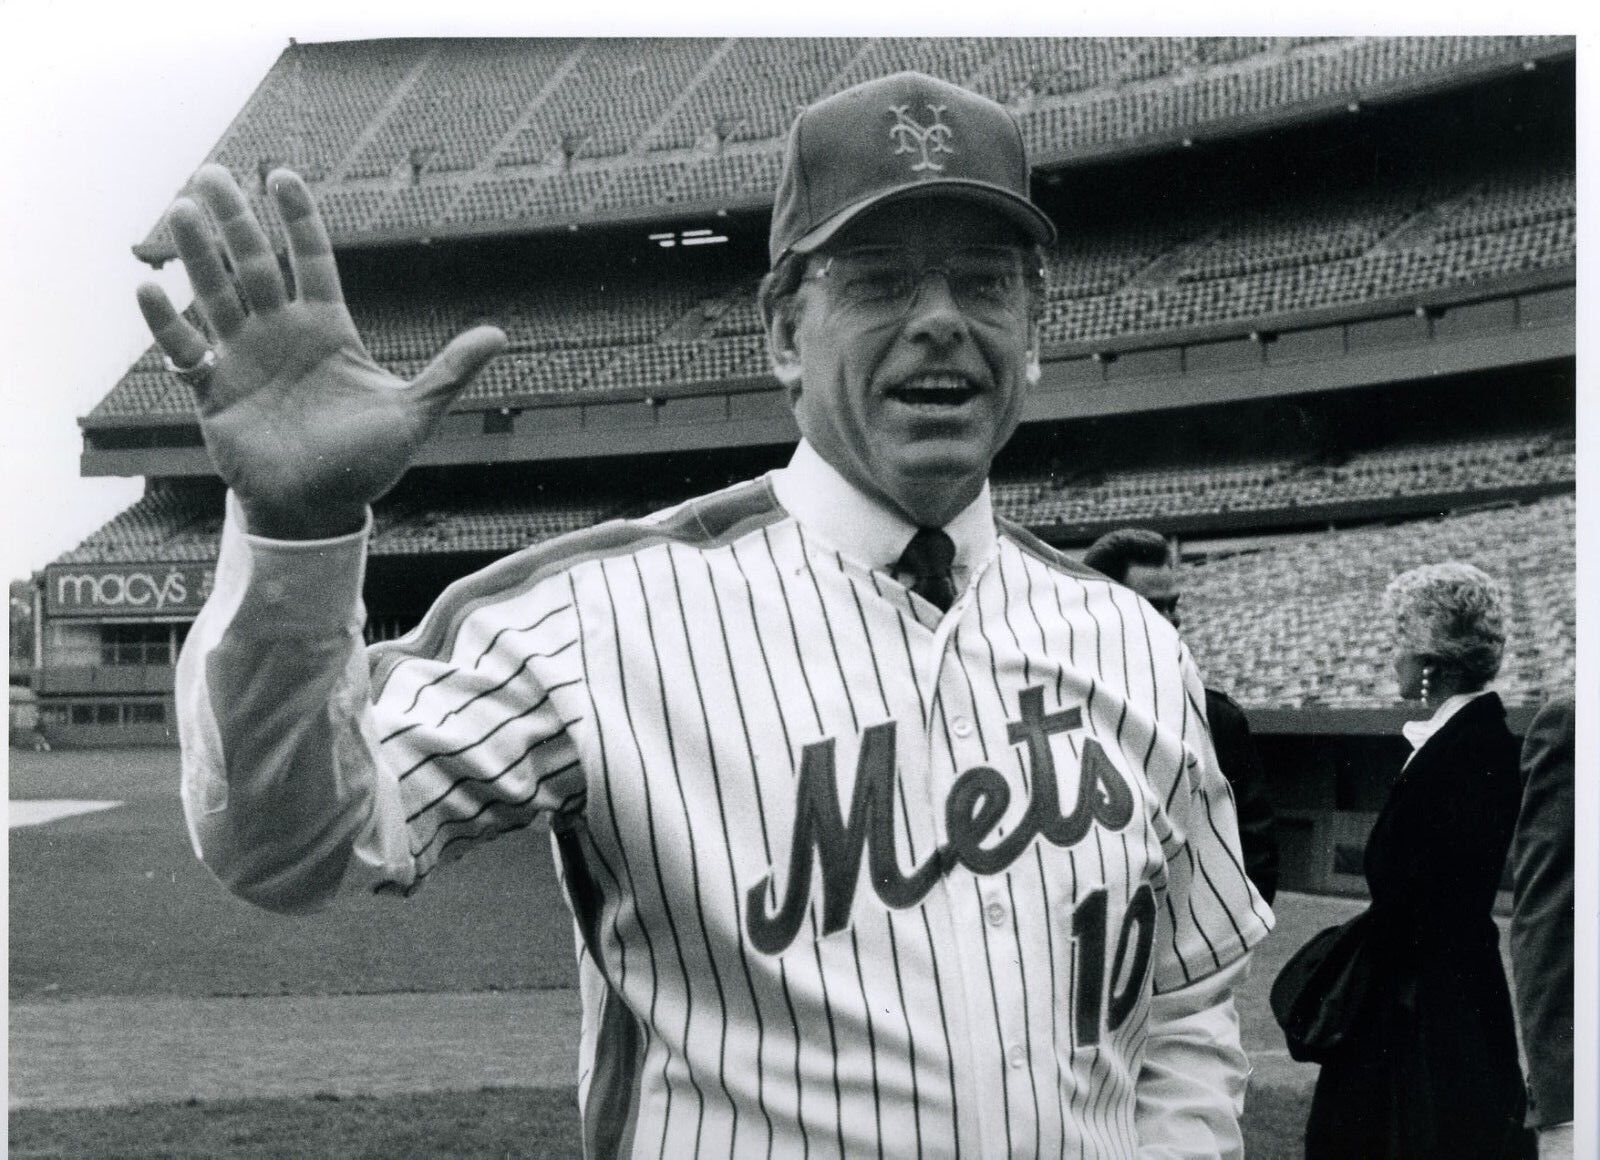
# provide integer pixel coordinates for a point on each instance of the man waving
(887, 830)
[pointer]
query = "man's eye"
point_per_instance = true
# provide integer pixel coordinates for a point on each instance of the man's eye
(984, 285)
(877, 285)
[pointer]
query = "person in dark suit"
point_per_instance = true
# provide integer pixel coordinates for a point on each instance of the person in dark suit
(1241, 765)
(1140, 559)
(1430, 1072)
(1541, 922)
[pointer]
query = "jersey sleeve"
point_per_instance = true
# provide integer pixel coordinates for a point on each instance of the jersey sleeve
(311, 763)
(1212, 914)
(1194, 1073)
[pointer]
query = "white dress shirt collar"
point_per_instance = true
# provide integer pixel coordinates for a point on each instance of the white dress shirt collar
(1418, 732)
(834, 510)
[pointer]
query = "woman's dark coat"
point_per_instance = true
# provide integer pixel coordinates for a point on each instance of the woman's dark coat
(1432, 1072)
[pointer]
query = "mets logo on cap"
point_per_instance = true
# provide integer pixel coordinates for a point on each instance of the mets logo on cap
(910, 136)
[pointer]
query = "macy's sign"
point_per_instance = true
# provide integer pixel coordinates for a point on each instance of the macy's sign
(126, 590)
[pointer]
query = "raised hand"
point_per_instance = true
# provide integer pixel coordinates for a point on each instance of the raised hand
(301, 423)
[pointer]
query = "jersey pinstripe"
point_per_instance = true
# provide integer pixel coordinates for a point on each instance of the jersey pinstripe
(850, 878)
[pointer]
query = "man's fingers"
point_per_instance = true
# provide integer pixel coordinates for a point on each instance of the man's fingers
(316, 276)
(213, 288)
(177, 337)
(457, 364)
(254, 264)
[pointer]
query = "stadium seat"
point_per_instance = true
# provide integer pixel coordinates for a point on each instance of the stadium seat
(1315, 600)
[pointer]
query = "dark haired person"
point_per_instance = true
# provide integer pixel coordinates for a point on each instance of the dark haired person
(1141, 560)
(1431, 1073)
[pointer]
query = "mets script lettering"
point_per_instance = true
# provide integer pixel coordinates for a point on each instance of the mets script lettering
(977, 801)
(912, 137)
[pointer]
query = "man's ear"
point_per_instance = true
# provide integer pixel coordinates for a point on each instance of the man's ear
(786, 366)
(782, 346)
(1030, 369)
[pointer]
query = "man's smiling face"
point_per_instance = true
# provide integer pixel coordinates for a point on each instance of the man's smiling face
(911, 400)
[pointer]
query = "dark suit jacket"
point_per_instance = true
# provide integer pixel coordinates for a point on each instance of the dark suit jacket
(1541, 924)
(1431, 1072)
(1241, 765)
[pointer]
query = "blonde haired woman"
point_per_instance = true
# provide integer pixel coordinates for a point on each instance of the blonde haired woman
(1432, 1070)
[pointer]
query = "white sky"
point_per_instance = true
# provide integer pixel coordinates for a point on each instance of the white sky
(106, 109)
(97, 132)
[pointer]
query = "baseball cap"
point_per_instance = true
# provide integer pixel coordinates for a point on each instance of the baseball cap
(901, 136)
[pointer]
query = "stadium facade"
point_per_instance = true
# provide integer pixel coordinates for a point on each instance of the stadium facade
(1312, 315)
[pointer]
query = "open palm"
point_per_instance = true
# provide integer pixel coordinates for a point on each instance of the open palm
(300, 421)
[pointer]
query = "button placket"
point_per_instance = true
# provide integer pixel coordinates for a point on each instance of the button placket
(963, 906)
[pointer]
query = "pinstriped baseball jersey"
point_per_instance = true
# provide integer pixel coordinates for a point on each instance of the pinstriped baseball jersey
(850, 877)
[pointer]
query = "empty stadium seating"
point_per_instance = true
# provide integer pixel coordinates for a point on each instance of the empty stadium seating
(1437, 467)
(1315, 252)
(755, 88)
(479, 526)
(496, 201)
(416, 205)
(729, 176)
(488, 116)
(960, 60)
(316, 103)
(1299, 625)
(180, 522)
(347, 211)
(645, 183)
(1293, 624)
(1014, 498)
(170, 523)
(466, 98)
(361, 116)
(1281, 75)
(1204, 266)
(613, 91)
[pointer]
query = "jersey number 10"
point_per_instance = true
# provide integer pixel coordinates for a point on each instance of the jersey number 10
(1091, 1004)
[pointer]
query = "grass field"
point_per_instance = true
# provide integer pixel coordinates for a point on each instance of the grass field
(114, 903)
(479, 1125)
(110, 912)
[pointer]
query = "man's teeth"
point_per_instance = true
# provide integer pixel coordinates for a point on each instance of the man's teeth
(934, 389)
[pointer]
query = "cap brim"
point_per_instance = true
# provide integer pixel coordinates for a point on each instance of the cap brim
(1021, 212)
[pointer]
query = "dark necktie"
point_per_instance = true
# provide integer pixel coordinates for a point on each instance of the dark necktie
(927, 561)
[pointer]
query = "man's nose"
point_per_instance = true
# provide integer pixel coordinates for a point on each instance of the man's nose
(935, 315)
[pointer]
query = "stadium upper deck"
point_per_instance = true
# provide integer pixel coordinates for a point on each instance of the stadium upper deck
(404, 139)
(638, 332)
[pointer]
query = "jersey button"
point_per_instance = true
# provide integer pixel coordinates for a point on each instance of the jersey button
(1018, 1056)
(996, 912)
(961, 726)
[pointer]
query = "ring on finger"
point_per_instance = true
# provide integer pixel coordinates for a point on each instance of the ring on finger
(194, 375)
